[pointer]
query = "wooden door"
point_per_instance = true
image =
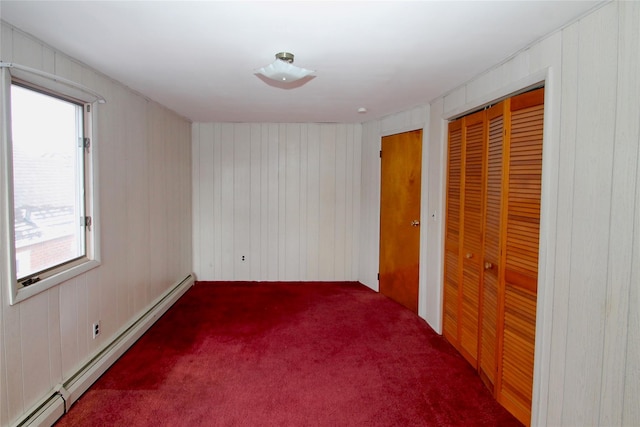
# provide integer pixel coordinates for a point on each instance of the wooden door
(400, 217)
(492, 271)
(517, 323)
(472, 251)
(452, 237)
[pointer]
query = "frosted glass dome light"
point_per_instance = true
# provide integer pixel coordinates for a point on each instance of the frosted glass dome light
(283, 70)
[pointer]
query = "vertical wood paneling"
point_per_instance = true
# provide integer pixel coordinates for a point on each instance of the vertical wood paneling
(4, 392)
(93, 315)
(27, 51)
(547, 54)
(53, 333)
(313, 200)
(184, 197)
(273, 192)
(304, 212)
(631, 368)
(369, 219)
(356, 229)
(69, 326)
(296, 197)
(327, 208)
(255, 231)
(242, 201)
(144, 171)
(455, 98)
(564, 214)
(203, 200)
(137, 211)
(348, 208)
(13, 369)
(340, 226)
(107, 294)
(624, 207)
(118, 203)
(541, 53)
(227, 195)
(264, 201)
(487, 82)
(596, 81)
(158, 200)
(83, 316)
(291, 194)
(34, 315)
(217, 202)
(282, 201)
(171, 186)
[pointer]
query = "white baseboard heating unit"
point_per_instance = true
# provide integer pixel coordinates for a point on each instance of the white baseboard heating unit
(49, 409)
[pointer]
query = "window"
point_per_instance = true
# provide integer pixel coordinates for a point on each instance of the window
(49, 198)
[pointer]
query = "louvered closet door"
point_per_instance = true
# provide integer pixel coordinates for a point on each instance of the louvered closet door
(452, 233)
(472, 208)
(487, 357)
(521, 254)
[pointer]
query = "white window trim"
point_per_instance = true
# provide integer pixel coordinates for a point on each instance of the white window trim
(7, 239)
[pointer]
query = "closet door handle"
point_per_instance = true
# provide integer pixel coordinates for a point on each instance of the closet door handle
(488, 265)
(469, 255)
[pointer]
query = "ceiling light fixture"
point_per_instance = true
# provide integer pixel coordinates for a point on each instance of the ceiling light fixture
(283, 70)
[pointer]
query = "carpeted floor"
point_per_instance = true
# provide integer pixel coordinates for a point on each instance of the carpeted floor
(288, 354)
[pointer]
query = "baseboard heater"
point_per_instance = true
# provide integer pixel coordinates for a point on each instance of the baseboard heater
(49, 409)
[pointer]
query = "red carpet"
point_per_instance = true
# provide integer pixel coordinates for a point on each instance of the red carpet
(288, 354)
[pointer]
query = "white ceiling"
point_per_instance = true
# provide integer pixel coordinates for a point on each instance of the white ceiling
(199, 58)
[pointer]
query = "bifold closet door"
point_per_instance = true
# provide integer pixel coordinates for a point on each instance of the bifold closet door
(463, 235)
(517, 324)
(492, 230)
(473, 128)
(452, 233)
(492, 272)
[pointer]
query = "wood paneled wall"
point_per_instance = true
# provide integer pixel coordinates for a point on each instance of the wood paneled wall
(587, 367)
(286, 197)
(144, 184)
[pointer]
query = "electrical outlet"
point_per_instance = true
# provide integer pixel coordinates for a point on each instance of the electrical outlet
(95, 329)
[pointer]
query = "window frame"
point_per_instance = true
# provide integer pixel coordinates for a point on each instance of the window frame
(63, 89)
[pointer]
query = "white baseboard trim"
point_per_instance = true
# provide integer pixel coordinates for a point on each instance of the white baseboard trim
(58, 402)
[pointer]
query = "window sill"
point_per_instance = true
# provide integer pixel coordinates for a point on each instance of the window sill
(51, 281)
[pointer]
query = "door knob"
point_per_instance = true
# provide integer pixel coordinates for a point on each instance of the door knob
(488, 265)
(415, 223)
(469, 255)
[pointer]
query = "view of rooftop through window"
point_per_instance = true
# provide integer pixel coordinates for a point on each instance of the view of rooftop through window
(48, 176)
